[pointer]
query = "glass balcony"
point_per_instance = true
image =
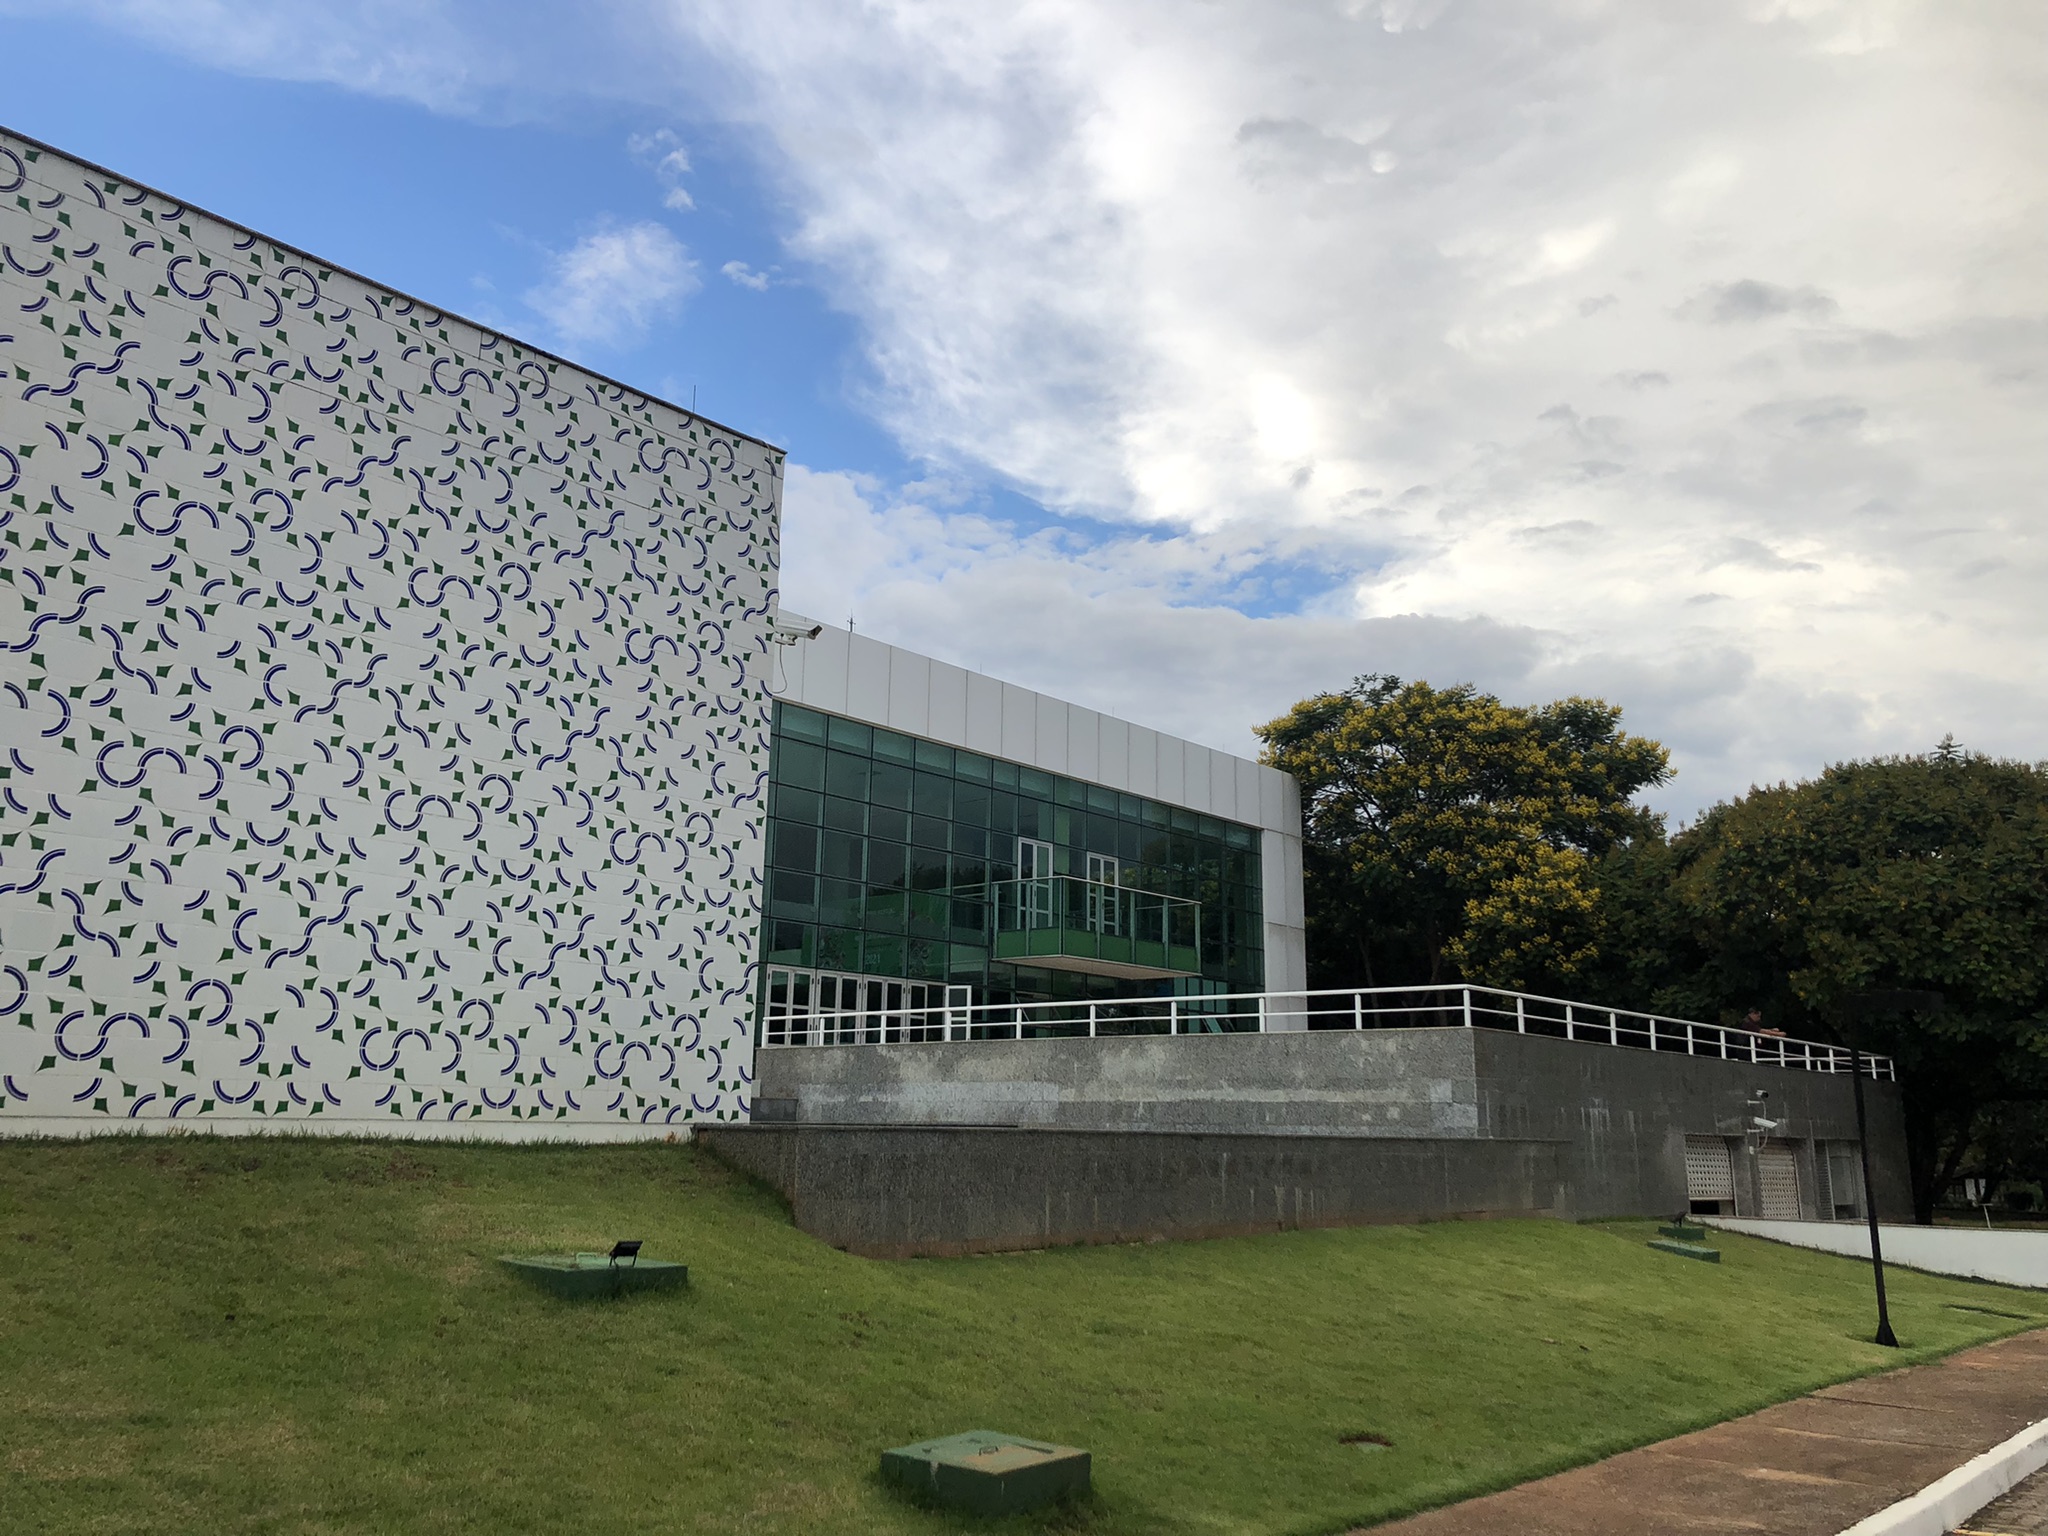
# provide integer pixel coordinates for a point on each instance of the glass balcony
(1064, 923)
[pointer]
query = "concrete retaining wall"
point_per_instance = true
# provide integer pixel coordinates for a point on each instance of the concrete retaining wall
(1619, 1115)
(900, 1192)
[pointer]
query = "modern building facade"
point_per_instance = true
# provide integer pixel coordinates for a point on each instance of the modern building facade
(393, 733)
(938, 836)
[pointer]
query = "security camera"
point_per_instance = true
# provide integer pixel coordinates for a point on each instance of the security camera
(788, 634)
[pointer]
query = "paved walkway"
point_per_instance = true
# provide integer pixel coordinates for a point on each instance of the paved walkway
(1810, 1467)
(2023, 1512)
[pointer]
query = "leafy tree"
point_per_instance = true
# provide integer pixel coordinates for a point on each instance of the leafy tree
(1909, 872)
(1450, 835)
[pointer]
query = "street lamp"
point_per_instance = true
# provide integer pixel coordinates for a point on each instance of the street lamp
(1867, 1005)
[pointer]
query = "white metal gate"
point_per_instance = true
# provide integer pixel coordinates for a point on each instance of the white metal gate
(1777, 1182)
(1709, 1172)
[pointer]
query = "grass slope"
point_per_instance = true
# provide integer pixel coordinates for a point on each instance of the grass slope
(307, 1336)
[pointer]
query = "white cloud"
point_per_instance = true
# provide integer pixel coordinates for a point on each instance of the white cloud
(609, 286)
(1771, 331)
(663, 153)
(1689, 354)
(746, 276)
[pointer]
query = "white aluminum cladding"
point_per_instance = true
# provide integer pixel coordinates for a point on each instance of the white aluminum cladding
(383, 726)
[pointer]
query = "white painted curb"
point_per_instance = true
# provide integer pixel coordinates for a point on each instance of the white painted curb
(1942, 1506)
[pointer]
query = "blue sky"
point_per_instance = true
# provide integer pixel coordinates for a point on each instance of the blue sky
(466, 213)
(1185, 360)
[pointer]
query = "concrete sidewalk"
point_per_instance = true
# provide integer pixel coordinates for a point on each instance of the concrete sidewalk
(1810, 1467)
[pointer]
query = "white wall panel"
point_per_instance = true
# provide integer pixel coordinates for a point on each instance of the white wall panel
(389, 710)
(910, 690)
(984, 715)
(867, 678)
(949, 704)
(1084, 742)
(1144, 763)
(1172, 762)
(1113, 747)
(1020, 725)
(1052, 735)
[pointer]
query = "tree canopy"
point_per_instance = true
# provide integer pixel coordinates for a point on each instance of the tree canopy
(1450, 835)
(1904, 873)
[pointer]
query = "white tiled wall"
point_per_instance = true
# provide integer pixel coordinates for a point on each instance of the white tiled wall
(383, 721)
(852, 674)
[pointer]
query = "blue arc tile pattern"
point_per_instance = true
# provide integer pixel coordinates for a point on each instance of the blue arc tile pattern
(383, 724)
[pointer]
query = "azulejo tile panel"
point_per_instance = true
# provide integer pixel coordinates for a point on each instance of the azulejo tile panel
(383, 720)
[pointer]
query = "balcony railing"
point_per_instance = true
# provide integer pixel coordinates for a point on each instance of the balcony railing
(1463, 1007)
(1060, 922)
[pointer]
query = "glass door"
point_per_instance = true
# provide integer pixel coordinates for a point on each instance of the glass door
(1103, 876)
(1034, 882)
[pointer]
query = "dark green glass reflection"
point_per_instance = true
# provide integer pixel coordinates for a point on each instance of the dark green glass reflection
(883, 849)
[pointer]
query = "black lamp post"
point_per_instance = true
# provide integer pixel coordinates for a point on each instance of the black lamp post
(1858, 1006)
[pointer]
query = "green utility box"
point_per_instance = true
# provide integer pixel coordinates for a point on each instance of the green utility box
(589, 1276)
(987, 1472)
(1683, 1232)
(1687, 1250)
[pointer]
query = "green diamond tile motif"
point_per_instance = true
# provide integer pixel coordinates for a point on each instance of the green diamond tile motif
(383, 706)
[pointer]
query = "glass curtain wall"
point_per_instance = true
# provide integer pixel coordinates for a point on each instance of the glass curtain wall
(882, 848)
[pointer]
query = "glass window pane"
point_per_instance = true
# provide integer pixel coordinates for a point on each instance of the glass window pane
(1005, 775)
(933, 795)
(793, 720)
(883, 955)
(800, 764)
(838, 950)
(930, 831)
(841, 855)
(790, 944)
(925, 960)
(795, 846)
(840, 901)
(971, 804)
(846, 775)
(885, 909)
(845, 815)
(788, 803)
(791, 894)
(927, 870)
(888, 864)
(852, 735)
(971, 765)
(891, 826)
(891, 786)
(894, 748)
(935, 757)
(928, 914)
(1032, 782)
(970, 840)
(1099, 833)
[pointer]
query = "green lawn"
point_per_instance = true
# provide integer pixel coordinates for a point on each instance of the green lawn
(298, 1336)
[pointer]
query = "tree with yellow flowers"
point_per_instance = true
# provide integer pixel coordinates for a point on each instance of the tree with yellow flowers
(1450, 836)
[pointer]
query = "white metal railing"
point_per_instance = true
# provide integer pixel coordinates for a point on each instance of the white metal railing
(1456, 1006)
